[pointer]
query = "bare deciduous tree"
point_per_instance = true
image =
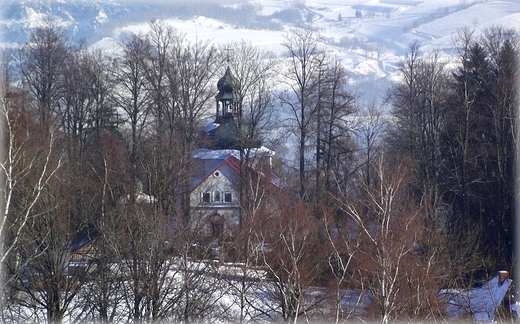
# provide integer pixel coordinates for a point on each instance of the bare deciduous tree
(420, 109)
(41, 64)
(371, 129)
(29, 162)
(334, 130)
(343, 248)
(196, 69)
(389, 226)
(131, 94)
(294, 259)
(304, 77)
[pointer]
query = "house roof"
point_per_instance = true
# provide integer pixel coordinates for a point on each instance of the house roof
(481, 302)
(83, 238)
(233, 163)
(229, 157)
(230, 160)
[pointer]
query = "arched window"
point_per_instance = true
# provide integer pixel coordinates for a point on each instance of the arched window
(216, 195)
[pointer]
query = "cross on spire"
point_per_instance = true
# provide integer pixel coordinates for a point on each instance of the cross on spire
(228, 50)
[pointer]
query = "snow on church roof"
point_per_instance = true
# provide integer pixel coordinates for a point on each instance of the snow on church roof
(211, 126)
(208, 154)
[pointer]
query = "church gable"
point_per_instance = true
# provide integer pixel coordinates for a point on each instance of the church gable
(219, 186)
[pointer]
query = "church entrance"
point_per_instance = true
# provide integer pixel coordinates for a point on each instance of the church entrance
(216, 222)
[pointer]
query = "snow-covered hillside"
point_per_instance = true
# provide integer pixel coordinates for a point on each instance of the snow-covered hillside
(370, 44)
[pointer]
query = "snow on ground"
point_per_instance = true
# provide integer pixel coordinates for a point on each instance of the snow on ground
(214, 31)
(106, 45)
(268, 7)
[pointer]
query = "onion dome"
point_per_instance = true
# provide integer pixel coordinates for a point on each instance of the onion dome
(227, 85)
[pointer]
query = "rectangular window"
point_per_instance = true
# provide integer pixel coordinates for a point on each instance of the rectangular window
(206, 197)
(227, 197)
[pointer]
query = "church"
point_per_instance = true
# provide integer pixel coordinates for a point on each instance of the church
(215, 189)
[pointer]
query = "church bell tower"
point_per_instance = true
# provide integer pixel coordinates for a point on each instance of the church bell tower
(223, 132)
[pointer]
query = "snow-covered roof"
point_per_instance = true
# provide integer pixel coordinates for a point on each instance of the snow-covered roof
(481, 302)
(208, 154)
(211, 126)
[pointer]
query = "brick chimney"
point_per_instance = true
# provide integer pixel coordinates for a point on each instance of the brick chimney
(502, 276)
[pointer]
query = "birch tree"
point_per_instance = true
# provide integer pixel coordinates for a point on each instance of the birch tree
(294, 260)
(27, 167)
(389, 227)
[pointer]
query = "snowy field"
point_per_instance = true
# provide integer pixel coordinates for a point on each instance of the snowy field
(370, 46)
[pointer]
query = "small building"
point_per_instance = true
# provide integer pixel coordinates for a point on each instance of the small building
(480, 304)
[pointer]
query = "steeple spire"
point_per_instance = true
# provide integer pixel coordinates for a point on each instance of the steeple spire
(223, 132)
(226, 98)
